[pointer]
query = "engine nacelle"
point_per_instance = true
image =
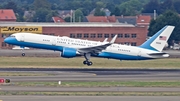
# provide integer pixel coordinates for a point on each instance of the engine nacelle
(68, 53)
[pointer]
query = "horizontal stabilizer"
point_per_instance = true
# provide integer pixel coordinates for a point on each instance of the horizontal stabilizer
(163, 55)
(157, 54)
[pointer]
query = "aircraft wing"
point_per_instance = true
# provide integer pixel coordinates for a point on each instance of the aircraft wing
(97, 49)
(105, 40)
(94, 49)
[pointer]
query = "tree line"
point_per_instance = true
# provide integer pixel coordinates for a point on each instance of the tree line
(47, 8)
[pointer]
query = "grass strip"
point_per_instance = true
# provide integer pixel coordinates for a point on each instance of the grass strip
(93, 93)
(77, 62)
(103, 84)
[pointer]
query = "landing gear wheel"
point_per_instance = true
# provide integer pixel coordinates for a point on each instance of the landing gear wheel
(89, 63)
(23, 54)
(87, 57)
(85, 62)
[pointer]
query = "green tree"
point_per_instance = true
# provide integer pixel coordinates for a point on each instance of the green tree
(100, 5)
(50, 15)
(137, 5)
(27, 1)
(1, 6)
(75, 4)
(151, 6)
(54, 6)
(40, 15)
(11, 5)
(167, 18)
(19, 11)
(166, 5)
(67, 19)
(176, 5)
(78, 15)
(116, 11)
(132, 7)
(87, 7)
(111, 6)
(41, 4)
(99, 12)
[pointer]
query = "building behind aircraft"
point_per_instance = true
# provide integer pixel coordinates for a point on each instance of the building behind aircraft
(127, 34)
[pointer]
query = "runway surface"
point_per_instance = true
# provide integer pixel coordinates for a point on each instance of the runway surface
(89, 98)
(92, 75)
(90, 89)
(56, 74)
(95, 78)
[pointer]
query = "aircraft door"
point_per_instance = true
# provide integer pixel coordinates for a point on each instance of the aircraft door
(22, 37)
(54, 41)
(139, 54)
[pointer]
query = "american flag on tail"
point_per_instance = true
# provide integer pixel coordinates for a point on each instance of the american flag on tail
(162, 38)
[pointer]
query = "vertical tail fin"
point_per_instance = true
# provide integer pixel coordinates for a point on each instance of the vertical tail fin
(158, 41)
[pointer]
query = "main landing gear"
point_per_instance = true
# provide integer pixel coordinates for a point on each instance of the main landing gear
(87, 57)
(89, 63)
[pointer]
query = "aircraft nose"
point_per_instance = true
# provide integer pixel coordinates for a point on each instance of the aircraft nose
(9, 39)
(6, 40)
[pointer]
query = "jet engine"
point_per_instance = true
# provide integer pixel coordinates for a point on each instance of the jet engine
(68, 53)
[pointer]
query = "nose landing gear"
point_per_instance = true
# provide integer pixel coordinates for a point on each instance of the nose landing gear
(23, 53)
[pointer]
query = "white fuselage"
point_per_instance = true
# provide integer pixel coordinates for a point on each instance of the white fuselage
(116, 51)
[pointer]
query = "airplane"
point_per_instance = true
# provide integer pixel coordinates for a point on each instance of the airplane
(70, 47)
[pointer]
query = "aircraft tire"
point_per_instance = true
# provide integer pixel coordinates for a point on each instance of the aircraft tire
(85, 62)
(23, 54)
(89, 63)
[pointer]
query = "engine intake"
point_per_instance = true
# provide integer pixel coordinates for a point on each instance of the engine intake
(68, 53)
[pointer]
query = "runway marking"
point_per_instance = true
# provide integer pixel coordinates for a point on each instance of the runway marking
(94, 74)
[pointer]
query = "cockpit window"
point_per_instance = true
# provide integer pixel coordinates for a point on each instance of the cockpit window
(12, 36)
